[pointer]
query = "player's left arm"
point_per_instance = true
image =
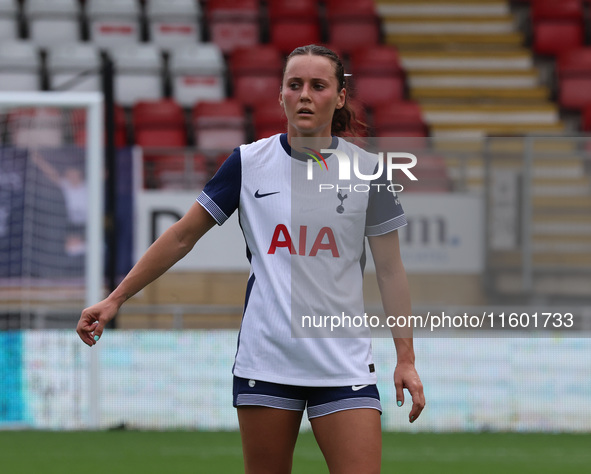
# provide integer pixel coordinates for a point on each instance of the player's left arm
(395, 294)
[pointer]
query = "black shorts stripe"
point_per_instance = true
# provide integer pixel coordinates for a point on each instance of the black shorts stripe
(270, 401)
(346, 404)
(320, 401)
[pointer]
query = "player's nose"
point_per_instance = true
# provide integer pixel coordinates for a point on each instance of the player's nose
(305, 92)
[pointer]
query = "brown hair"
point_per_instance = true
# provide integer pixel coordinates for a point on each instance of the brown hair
(344, 121)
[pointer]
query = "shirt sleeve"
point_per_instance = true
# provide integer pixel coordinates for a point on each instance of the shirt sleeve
(384, 212)
(221, 194)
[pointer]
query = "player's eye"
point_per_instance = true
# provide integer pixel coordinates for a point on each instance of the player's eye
(319, 86)
(293, 86)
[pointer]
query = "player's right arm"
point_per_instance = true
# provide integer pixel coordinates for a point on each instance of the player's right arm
(168, 249)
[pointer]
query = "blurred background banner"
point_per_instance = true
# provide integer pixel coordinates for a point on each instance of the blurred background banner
(443, 235)
(221, 249)
(182, 380)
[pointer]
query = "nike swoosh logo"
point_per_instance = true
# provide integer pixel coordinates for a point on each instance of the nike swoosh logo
(259, 195)
(357, 387)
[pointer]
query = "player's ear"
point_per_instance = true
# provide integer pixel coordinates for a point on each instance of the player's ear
(341, 99)
(281, 98)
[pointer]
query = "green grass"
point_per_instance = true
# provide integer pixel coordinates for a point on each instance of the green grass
(113, 452)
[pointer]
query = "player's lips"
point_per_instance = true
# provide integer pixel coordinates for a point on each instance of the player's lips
(305, 111)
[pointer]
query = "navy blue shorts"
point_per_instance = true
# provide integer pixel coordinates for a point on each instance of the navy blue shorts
(320, 401)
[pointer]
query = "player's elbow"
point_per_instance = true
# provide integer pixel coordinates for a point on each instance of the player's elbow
(390, 270)
(180, 239)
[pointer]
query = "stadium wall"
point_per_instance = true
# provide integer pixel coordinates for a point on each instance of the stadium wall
(181, 380)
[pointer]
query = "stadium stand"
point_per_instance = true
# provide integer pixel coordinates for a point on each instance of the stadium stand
(9, 26)
(405, 119)
(113, 22)
(426, 24)
(255, 71)
(233, 23)
(587, 119)
(20, 66)
(457, 68)
(352, 24)
(138, 72)
(198, 73)
(470, 66)
(293, 23)
(557, 26)
(74, 67)
(53, 21)
(38, 127)
(165, 113)
(377, 74)
(121, 127)
(168, 169)
(268, 119)
(159, 123)
(174, 22)
(469, 57)
(431, 173)
(574, 78)
(219, 125)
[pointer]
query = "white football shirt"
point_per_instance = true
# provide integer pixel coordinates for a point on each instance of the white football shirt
(306, 245)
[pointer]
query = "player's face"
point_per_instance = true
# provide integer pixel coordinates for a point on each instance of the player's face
(310, 95)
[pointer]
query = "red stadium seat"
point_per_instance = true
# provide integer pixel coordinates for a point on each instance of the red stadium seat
(158, 113)
(233, 23)
(377, 75)
(574, 78)
(587, 119)
(431, 173)
(557, 26)
(575, 92)
(352, 23)
(554, 38)
(557, 10)
(400, 119)
(575, 61)
(79, 120)
(219, 125)
(175, 171)
(256, 73)
(269, 119)
(159, 123)
(293, 24)
(161, 137)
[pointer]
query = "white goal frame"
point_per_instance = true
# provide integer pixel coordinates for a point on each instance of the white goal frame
(92, 102)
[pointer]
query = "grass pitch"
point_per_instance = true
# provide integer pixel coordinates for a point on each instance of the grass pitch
(114, 452)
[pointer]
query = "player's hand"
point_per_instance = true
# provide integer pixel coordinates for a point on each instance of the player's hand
(406, 377)
(93, 320)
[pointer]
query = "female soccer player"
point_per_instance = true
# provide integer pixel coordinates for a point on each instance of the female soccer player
(305, 243)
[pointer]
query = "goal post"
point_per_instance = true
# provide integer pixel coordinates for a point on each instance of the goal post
(92, 102)
(92, 255)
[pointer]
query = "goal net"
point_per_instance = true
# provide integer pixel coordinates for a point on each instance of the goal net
(51, 255)
(50, 206)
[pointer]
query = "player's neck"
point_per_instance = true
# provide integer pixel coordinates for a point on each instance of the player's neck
(297, 140)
